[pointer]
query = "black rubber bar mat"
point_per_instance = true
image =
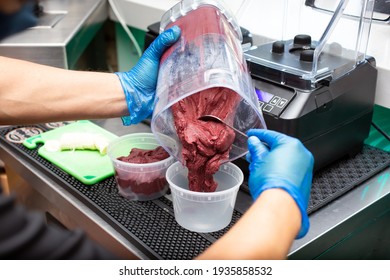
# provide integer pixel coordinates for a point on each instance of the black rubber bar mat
(151, 225)
(340, 177)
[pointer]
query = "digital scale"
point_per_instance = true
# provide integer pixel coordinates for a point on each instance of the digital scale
(319, 90)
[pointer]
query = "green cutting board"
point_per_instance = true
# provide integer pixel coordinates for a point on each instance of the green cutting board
(88, 166)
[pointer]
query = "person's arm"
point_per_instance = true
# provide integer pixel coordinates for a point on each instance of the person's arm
(36, 93)
(33, 93)
(265, 231)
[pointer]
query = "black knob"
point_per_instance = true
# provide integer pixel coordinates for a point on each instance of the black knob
(278, 47)
(307, 55)
(302, 39)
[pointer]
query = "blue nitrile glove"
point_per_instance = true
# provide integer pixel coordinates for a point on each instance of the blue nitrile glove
(139, 84)
(284, 164)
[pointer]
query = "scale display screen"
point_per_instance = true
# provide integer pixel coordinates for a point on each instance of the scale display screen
(263, 95)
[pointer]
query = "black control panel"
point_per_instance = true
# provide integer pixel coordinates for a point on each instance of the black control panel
(273, 100)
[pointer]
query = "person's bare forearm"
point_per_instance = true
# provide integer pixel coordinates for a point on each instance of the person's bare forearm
(265, 231)
(33, 93)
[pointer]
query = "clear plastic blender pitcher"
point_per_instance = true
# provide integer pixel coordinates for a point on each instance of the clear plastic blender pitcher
(208, 55)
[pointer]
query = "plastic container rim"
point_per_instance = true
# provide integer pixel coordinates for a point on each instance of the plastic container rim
(137, 165)
(209, 194)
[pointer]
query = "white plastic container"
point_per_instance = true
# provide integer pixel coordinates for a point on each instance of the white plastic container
(207, 55)
(204, 211)
(138, 181)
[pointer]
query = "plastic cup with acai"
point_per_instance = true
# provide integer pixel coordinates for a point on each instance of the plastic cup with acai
(139, 181)
(204, 211)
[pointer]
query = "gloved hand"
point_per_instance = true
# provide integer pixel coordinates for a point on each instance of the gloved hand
(284, 164)
(139, 84)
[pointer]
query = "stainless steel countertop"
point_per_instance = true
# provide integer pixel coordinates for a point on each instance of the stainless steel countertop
(337, 220)
(75, 14)
(329, 224)
(48, 46)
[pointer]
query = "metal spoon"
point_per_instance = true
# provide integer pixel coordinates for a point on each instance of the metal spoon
(216, 119)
